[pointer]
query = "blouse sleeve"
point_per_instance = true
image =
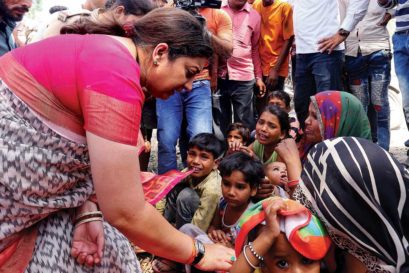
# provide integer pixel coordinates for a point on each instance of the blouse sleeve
(111, 97)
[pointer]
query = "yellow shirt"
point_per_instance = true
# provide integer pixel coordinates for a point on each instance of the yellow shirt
(276, 28)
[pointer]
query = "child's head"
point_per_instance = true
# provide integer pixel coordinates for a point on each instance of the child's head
(237, 132)
(276, 173)
(204, 150)
(282, 257)
(241, 175)
(280, 99)
(299, 246)
(272, 126)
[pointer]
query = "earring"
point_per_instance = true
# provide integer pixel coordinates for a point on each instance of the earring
(155, 62)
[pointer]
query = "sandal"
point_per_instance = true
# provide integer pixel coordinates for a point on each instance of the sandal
(160, 265)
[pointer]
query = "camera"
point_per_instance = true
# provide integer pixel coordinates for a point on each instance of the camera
(193, 4)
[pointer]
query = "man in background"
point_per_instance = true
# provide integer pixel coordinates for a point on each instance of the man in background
(11, 11)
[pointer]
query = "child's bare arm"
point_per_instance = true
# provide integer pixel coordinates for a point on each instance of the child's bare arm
(216, 222)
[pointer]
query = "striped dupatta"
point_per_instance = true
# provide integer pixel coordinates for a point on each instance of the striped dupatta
(361, 195)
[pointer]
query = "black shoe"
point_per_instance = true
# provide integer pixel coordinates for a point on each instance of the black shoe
(407, 143)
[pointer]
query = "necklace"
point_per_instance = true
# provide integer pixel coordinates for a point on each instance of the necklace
(223, 223)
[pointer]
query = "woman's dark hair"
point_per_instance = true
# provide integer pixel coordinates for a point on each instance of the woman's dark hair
(281, 95)
(207, 142)
(243, 130)
(180, 30)
(281, 115)
(251, 168)
(135, 7)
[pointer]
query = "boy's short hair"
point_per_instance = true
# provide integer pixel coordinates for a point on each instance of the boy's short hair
(207, 142)
(243, 130)
(251, 168)
(282, 95)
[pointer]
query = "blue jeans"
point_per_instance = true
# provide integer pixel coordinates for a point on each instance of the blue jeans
(401, 60)
(315, 72)
(196, 107)
(369, 78)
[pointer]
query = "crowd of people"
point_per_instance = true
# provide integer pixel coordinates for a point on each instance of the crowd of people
(263, 188)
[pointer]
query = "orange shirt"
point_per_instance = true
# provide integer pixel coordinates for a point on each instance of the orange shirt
(219, 24)
(276, 28)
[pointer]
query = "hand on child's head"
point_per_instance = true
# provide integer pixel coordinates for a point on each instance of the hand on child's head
(272, 229)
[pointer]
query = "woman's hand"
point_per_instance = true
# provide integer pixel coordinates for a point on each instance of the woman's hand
(272, 229)
(217, 258)
(88, 243)
(264, 190)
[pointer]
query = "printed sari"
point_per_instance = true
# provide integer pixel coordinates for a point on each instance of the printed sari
(339, 114)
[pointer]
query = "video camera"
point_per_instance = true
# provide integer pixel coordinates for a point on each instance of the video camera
(194, 4)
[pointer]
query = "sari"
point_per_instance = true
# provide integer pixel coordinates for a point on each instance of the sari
(360, 193)
(339, 114)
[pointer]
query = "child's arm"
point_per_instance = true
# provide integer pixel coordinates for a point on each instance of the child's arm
(216, 221)
(262, 243)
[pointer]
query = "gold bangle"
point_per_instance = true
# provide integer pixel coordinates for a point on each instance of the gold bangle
(87, 221)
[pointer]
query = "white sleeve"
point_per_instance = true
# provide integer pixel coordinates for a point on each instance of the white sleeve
(356, 11)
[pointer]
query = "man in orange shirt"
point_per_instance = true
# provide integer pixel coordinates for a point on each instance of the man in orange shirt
(276, 39)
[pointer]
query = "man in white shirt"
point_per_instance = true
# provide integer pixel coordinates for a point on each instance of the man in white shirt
(318, 37)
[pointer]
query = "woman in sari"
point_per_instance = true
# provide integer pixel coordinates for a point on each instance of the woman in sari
(70, 109)
(360, 193)
(333, 114)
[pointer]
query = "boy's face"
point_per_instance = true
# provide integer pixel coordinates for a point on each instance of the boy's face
(201, 162)
(236, 191)
(283, 258)
(234, 136)
(277, 173)
(278, 102)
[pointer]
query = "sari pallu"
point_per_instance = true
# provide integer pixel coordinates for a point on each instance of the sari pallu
(361, 195)
(42, 177)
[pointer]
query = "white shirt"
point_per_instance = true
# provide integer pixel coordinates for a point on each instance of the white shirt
(367, 36)
(318, 19)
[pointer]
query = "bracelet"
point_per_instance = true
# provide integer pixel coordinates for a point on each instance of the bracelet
(293, 183)
(88, 215)
(247, 259)
(88, 220)
(193, 255)
(258, 256)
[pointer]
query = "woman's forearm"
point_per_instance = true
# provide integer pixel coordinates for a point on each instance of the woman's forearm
(150, 231)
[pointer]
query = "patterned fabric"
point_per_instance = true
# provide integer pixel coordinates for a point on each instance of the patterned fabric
(156, 187)
(303, 230)
(360, 193)
(339, 114)
(41, 172)
(53, 248)
(42, 176)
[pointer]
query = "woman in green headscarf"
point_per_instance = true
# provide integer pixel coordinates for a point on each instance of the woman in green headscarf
(333, 114)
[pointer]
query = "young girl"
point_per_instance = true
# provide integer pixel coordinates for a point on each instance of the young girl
(237, 135)
(241, 175)
(271, 128)
(291, 240)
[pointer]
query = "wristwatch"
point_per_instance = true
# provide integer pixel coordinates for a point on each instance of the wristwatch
(343, 32)
(200, 252)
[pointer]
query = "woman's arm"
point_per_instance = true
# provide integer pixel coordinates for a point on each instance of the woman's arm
(116, 178)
